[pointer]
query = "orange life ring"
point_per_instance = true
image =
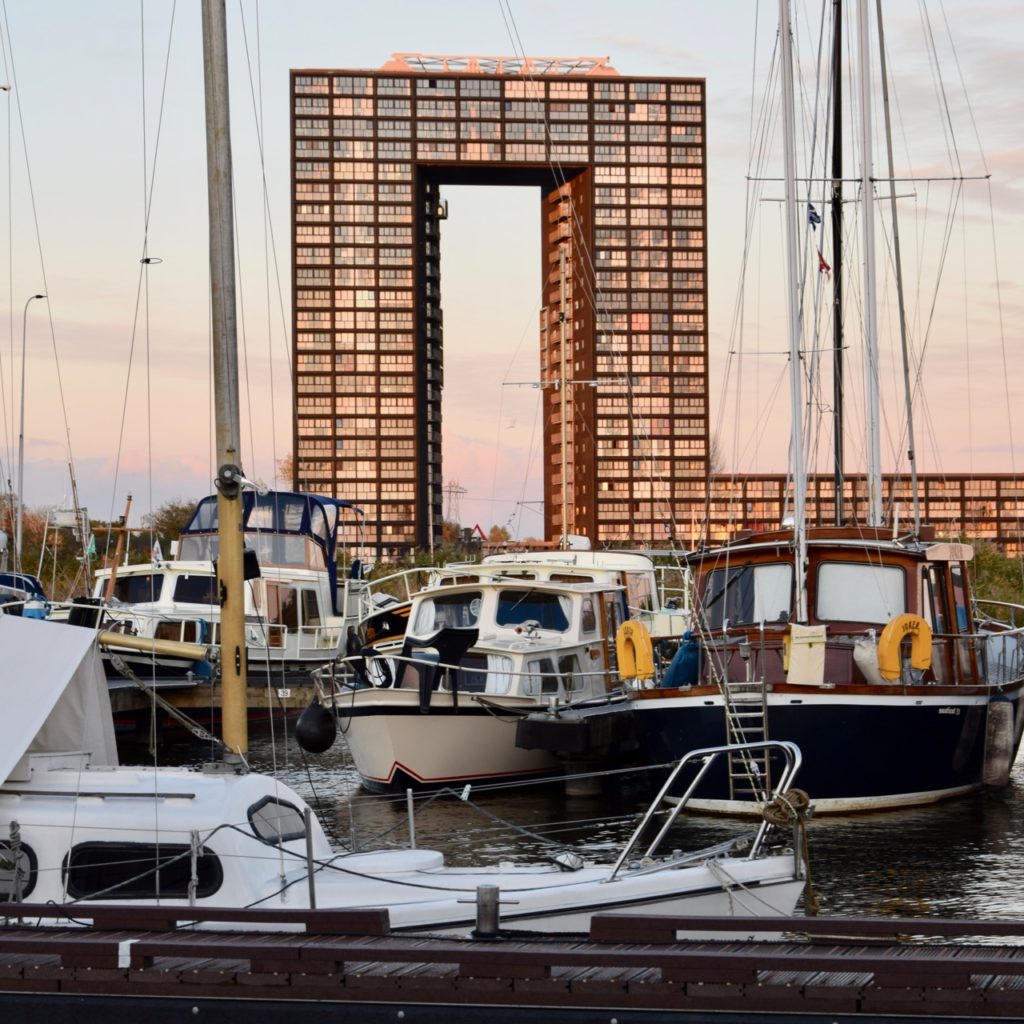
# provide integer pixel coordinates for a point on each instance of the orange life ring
(634, 651)
(889, 645)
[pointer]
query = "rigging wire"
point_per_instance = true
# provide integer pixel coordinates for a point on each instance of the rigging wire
(39, 247)
(270, 243)
(142, 283)
(8, 424)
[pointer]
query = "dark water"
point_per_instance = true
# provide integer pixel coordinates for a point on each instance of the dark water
(960, 859)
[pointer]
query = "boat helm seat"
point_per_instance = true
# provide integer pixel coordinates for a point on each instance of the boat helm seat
(425, 661)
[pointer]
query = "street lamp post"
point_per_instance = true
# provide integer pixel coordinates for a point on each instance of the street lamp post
(21, 445)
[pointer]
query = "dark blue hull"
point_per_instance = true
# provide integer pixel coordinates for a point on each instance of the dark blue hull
(859, 752)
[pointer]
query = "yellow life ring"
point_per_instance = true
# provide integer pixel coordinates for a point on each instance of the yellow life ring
(634, 651)
(889, 645)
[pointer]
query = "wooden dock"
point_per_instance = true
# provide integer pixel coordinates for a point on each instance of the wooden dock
(155, 964)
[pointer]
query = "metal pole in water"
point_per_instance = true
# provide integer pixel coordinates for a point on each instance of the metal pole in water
(307, 816)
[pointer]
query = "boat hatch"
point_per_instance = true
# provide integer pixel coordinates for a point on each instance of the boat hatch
(276, 821)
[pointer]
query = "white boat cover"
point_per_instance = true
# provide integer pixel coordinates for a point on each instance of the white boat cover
(53, 693)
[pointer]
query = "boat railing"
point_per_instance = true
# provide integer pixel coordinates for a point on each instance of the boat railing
(363, 597)
(405, 671)
(293, 640)
(1000, 610)
(278, 640)
(675, 587)
(993, 653)
(702, 759)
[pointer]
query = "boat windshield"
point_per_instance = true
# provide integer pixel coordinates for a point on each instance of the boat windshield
(134, 589)
(549, 611)
(461, 610)
(195, 589)
(748, 594)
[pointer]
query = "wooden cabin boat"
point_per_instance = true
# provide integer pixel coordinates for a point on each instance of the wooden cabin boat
(898, 688)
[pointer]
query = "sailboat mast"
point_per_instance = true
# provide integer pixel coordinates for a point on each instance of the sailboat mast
(874, 457)
(838, 371)
(225, 379)
(795, 365)
(898, 261)
(563, 385)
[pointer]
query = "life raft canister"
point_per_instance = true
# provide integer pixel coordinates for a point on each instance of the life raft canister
(634, 651)
(889, 645)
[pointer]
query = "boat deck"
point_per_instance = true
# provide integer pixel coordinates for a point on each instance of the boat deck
(637, 967)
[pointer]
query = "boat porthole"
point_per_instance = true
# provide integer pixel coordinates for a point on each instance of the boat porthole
(26, 868)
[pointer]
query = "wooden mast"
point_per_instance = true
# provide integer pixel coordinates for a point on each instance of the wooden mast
(122, 532)
(225, 380)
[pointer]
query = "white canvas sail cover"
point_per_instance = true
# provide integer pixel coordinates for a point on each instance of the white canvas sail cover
(53, 693)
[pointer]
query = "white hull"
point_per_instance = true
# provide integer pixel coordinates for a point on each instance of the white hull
(392, 744)
(80, 815)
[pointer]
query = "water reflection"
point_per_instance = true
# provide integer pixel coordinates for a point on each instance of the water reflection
(959, 859)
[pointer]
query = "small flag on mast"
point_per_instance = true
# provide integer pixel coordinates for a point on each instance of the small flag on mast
(813, 217)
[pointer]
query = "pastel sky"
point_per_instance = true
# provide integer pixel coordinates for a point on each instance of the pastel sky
(103, 144)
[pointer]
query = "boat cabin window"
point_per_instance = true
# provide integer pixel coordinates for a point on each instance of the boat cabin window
(192, 631)
(282, 606)
(310, 608)
(749, 594)
(135, 589)
(202, 547)
(135, 871)
(195, 589)
(963, 619)
(17, 880)
(285, 549)
(934, 600)
(589, 619)
(565, 577)
(518, 607)
(541, 678)
(460, 610)
(569, 669)
(639, 593)
(484, 673)
(860, 592)
(275, 821)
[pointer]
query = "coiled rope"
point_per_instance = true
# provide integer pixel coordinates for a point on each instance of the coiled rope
(792, 808)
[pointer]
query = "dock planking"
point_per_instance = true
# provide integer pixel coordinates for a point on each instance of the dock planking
(295, 963)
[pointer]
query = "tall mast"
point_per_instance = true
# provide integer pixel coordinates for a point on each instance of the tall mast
(795, 367)
(564, 387)
(898, 260)
(837, 260)
(225, 379)
(874, 466)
